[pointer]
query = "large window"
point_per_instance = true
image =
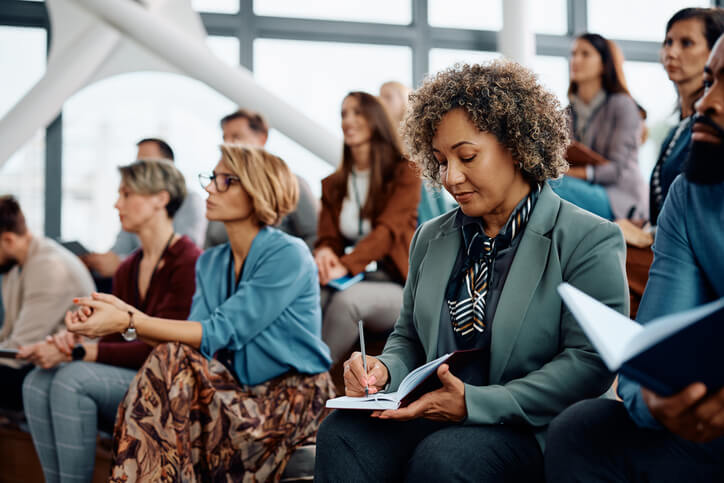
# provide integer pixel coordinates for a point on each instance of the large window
(23, 175)
(314, 77)
(310, 54)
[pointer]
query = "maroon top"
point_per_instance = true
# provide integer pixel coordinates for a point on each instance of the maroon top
(169, 296)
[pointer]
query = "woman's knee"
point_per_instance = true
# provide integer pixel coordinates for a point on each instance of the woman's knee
(36, 386)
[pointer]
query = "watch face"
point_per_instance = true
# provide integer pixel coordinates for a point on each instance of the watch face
(129, 334)
(78, 353)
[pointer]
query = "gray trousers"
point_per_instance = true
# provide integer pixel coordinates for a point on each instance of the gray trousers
(63, 405)
(377, 304)
(353, 447)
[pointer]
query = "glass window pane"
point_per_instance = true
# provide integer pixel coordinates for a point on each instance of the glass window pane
(549, 16)
(226, 48)
(553, 74)
(382, 11)
(443, 58)
(23, 174)
(103, 122)
(652, 89)
(216, 6)
(315, 77)
(607, 17)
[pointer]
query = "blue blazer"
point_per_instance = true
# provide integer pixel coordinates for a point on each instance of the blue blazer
(271, 321)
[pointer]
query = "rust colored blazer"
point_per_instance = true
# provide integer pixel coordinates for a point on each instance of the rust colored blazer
(392, 229)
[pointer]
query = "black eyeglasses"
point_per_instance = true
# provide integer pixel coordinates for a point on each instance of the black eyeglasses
(222, 181)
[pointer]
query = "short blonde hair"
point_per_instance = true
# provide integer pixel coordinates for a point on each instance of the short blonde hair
(152, 176)
(270, 184)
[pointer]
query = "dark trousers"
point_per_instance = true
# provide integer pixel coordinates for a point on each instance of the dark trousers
(11, 386)
(352, 447)
(595, 440)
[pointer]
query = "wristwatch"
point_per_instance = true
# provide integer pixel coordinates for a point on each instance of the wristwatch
(130, 333)
(78, 352)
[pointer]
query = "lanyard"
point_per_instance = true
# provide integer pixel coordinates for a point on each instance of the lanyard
(359, 203)
(141, 305)
(584, 130)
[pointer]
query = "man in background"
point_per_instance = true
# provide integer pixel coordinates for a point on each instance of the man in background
(249, 127)
(40, 278)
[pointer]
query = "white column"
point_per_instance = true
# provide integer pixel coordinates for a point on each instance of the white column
(517, 38)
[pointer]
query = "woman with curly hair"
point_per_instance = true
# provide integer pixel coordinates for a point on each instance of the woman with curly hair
(368, 216)
(228, 395)
(483, 277)
(606, 127)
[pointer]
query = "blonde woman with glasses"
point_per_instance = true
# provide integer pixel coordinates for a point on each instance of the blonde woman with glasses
(232, 392)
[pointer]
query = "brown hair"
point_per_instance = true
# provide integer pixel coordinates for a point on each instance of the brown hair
(270, 184)
(11, 216)
(611, 79)
(385, 156)
(256, 121)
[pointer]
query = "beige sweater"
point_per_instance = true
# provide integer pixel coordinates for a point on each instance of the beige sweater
(37, 295)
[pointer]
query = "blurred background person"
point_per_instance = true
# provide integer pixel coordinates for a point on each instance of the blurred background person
(369, 214)
(40, 278)
(80, 383)
(189, 220)
(605, 131)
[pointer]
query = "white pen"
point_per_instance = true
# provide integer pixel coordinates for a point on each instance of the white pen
(364, 355)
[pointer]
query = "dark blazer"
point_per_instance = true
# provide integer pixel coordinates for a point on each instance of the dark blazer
(613, 132)
(540, 360)
(392, 229)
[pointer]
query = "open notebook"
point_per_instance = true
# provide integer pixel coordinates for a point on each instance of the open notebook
(666, 354)
(418, 382)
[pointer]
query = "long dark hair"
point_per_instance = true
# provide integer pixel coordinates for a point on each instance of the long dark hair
(385, 155)
(712, 19)
(610, 80)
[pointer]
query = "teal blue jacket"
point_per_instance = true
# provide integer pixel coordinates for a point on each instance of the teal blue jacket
(271, 321)
(540, 360)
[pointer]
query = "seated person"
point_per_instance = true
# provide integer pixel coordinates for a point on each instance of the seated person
(369, 214)
(189, 220)
(249, 127)
(64, 400)
(690, 35)
(245, 381)
(39, 280)
(605, 119)
(649, 437)
(483, 276)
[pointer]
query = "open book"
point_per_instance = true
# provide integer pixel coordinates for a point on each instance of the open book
(665, 355)
(418, 382)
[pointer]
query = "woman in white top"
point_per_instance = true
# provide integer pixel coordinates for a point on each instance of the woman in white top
(368, 217)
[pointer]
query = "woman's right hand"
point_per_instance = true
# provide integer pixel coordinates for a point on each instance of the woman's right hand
(65, 341)
(355, 378)
(326, 260)
(634, 235)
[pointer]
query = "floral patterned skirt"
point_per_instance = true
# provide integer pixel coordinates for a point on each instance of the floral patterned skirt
(185, 418)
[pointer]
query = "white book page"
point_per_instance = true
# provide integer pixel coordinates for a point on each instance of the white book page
(609, 331)
(378, 401)
(418, 375)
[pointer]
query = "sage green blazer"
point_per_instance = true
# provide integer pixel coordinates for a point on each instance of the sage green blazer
(540, 361)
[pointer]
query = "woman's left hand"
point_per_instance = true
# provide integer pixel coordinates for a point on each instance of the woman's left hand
(336, 271)
(444, 404)
(43, 354)
(106, 317)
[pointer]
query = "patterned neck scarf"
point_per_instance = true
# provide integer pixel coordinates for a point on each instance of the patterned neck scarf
(468, 307)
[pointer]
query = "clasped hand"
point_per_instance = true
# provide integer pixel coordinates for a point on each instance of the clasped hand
(691, 413)
(99, 315)
(52, 351)
(328, 265)
(444, 404)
